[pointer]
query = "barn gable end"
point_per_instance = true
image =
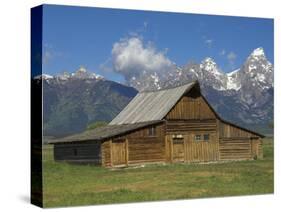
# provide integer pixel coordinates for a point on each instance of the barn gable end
(191, 106)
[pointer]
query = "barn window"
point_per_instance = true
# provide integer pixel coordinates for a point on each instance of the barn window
(206, 137)
(152, 131)
(75, 152)
(178, 141)
(197, 137)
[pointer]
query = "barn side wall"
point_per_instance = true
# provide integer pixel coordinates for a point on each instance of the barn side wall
(80, 152)
(193, 150)
(140, 147)
(238, 144)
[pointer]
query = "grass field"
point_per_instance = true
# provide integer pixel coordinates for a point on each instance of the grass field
(68, 184)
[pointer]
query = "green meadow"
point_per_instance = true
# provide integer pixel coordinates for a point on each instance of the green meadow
(68, 184)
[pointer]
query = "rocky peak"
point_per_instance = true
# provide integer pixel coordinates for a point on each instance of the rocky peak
(257, 70)
(257, 53)
(208, 64)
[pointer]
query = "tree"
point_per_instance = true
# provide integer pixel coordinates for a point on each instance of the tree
(96, 124)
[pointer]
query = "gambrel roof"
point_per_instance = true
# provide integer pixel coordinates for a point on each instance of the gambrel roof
(151, 106)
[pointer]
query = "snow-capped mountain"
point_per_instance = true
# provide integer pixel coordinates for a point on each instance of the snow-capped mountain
(256, 72)
(71, 101)
(216, 78)
(81, 73)
(233, 81)
(248, 89)
(44, 76)
(256, 75)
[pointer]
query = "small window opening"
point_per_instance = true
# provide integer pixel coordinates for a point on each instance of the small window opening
(206, 137)
(152, 131)
(75, 152)
(197, 137)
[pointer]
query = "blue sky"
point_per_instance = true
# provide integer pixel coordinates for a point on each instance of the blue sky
(75, 36)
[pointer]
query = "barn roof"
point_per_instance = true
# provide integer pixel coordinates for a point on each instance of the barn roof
(155, 105)
(150, 106)
(105, 132)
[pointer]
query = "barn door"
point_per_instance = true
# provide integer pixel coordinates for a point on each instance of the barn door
(178, 150)
(118, 152)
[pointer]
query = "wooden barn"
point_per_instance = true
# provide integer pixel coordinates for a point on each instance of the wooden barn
(167, 126)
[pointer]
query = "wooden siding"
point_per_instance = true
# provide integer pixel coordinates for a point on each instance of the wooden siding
(191, 106)
(118, 152)
(88, 152)
(260, 149)
(105, 151)
(178, 150)
(230, 131)
(235, 149)
(238, 144)
(182, 126)
(146, 150)
(256, 145)
(138, 147)
(240, 148)
(193, 151)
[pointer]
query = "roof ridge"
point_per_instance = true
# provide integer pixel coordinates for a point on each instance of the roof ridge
(164, 89)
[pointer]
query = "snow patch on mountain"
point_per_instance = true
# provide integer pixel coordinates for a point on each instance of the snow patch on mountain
(209, 65)
(81, 73)
(44, 76)
(156, 80)
(258, 52)
(232, 80)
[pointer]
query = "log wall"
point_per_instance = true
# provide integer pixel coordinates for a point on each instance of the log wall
(187, 126)
(139, 146)
(86, 152)
(105, 150)
(238, 144)
(235, 149)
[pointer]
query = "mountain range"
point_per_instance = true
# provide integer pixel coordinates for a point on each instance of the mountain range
(73, 101)
(244, 96)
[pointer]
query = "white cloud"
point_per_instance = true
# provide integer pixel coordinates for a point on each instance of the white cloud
(231, 57)
(209, 42)
(222, 52)
(130, 57)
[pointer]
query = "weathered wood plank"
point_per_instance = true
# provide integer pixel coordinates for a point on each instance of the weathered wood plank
(110, 149)
(191, 106)
(88, 151)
